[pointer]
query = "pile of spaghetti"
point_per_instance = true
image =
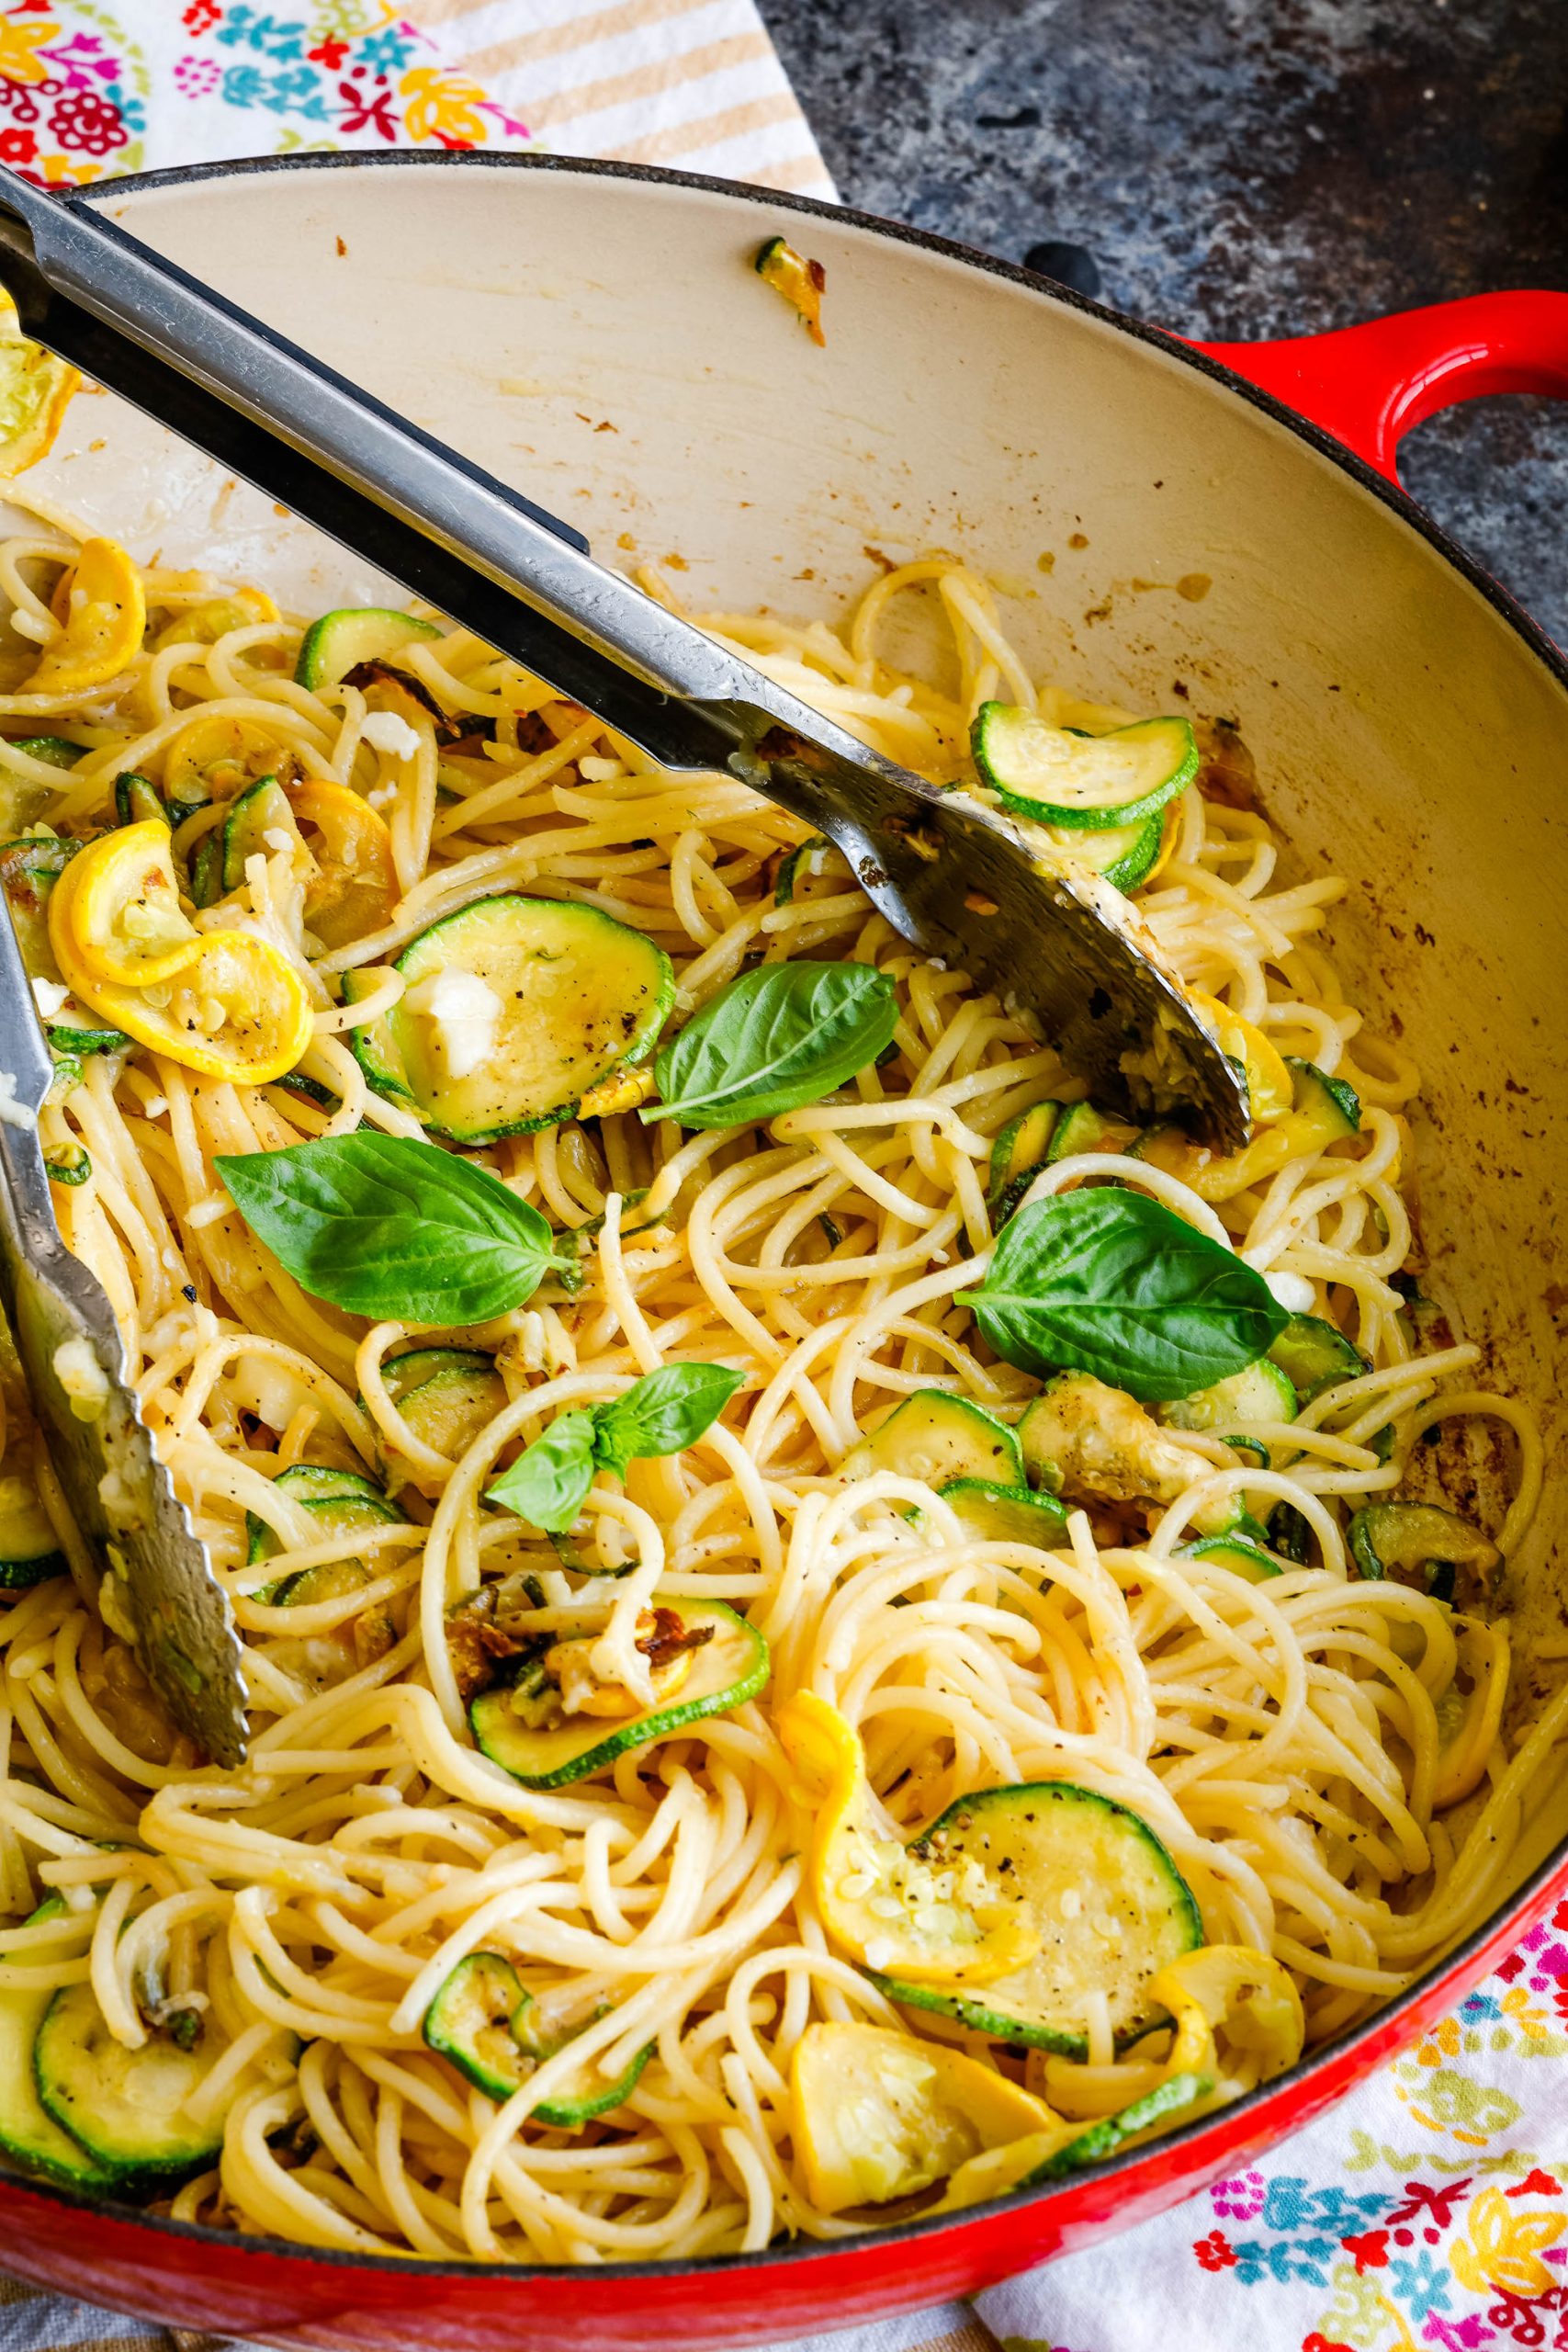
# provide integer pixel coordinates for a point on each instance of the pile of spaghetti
(727, 1994)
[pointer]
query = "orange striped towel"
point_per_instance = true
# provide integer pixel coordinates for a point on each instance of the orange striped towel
(694, 85)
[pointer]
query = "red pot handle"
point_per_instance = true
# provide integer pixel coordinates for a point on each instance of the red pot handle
(1369, 384)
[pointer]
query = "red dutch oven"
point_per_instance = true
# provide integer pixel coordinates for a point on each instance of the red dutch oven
(1167, 520)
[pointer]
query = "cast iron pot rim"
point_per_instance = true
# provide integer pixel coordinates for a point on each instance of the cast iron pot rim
(1524, 1904)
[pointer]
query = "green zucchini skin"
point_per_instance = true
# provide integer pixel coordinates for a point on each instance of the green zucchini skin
(1261, 1392)
(448, 1397)
(29, 1549)
(264, 808)
(1237, 1553)
(338, 642)
(730, 1668)
(814, 861)
(341, 1501)
(1314, 1354)
(27, 2131)
(121, 2105)
(1018, 1154)
(581, 996)
(479, 2019)
(1082, 1127)
(935, 1437)
(1404, 1538)
(1064, 1840)
(1103, 2138)
(53, 750)
(1063, 778)
(1006, 1514)
(136, 799)
(1334, 1099)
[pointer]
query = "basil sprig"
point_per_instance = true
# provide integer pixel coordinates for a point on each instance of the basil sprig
(778, 1037)
(391, 1228)
(1114, 1283)
(548, 1483)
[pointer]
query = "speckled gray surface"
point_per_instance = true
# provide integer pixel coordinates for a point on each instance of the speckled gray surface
(1240, 168)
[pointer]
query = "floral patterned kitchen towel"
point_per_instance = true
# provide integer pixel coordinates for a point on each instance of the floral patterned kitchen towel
(1428, 2210)
(90, 87)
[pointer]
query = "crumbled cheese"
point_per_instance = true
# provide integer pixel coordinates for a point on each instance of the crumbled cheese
(385, 731)
(1293, 1291)
(82, 1377)
(12, 1113)
(465, 1014)
(278, 837)
(48, 996)
(382, 795)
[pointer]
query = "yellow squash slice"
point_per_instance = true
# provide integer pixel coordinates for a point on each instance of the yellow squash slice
(123, 909)
(354, 885)
(1268, 1079)
(35, 388)
(215, 758)
(236, 1008)
(890, 1910)
(877, 2115)
(1237, 1991)
(105, 618)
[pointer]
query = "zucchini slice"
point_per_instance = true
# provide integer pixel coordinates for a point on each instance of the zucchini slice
(1314, 1355)
(68, 1163)
(1252, 1447)
(731, 1667)
(1331, 1104)
(936, 1437)
(29, 1548)
(342, 1501)
(1085, 781)
(1125, 854)
(1082, 1129)
(513, 1009)
(1066, 2147)
(1006, 1514)
(338, 642)
(53, 750)
(1237, 1553)
(206, 869)
(1106, 1902)
(1289, 1534)
(1019, 1152)
(489, 2028)
(815, 870)
(136, 799)
(124, 2106)
(263, 809)
(1406, 1540)
(448, 1395)
(1088, 1441)
(27, 2131)
(1261, 1392)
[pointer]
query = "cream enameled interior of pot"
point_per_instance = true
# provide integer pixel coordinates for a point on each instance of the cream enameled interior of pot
(604, 344)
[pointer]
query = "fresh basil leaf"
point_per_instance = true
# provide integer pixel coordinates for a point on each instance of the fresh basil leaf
(777, 1037)
(392, 1228)
(661, 1413)
(548, 1483)
(1114, 1283)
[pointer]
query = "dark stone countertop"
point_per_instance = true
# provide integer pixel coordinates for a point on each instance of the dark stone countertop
(1240, 168)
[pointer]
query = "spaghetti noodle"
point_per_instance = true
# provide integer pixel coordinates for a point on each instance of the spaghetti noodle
(1285, 1740)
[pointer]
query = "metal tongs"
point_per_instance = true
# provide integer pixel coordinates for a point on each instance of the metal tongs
(951, 875)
